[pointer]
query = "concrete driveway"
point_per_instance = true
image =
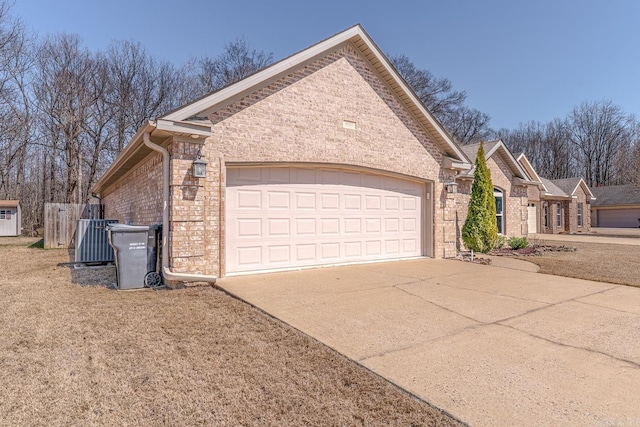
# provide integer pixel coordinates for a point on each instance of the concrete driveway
(491, 345)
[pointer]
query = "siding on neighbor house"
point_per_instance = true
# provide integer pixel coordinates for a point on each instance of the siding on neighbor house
(298, 118)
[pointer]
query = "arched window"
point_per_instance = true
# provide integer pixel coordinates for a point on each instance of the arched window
(497, 193)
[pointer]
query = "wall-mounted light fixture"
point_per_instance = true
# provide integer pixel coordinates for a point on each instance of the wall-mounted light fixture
(451, 186)
(199, 167)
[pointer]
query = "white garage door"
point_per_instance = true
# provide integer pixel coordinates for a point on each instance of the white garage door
(618, 218)
(285, 217)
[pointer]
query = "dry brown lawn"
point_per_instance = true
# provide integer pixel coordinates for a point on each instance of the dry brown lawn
(72, 354)
(593, 261)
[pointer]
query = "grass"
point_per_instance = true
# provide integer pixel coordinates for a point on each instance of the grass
(610, 263)
(73, 354)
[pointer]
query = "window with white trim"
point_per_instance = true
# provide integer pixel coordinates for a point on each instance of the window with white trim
(579, 214)
(546, 215)
(499, 209)
(559, 214)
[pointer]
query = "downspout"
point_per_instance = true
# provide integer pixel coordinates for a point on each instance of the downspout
(166, 271)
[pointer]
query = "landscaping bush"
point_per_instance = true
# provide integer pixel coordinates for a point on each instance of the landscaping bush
(480, 230)
(518, 242)
(501, 242)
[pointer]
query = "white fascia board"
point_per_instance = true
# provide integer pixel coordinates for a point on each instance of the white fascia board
(449, 163)
(209, 103)
(184, 127)
(521, 181)
(409, 92)
(274, 70)
(500, 145)
(524, 161)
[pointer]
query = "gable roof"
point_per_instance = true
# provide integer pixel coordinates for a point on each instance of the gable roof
(9, 203)
(191, 119)
(357, 37)
(496, 147)
(613, 195)
(551, 190)
(528, 167)
(570, 185)
(564, 188)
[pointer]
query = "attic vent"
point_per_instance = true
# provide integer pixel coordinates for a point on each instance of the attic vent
(92, 244)
(348, 124)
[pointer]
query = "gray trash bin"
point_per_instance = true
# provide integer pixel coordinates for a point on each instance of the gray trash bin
(135, 250)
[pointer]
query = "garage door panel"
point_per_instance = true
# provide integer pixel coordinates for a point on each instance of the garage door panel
(278, 199)
(330, 226)
(305, 226)
(305, 201)
(248, 199)
(353, 249)
(352, 202)
(279, 227)
(329, 201)
(295, 217)
(618, 218)
(306, 252)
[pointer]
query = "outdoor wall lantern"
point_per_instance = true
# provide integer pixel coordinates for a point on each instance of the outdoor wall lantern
(199, 167)
(451, 186)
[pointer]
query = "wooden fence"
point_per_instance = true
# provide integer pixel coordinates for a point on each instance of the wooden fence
(61, 219)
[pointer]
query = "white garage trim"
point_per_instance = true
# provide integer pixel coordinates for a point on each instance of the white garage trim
(290, 217)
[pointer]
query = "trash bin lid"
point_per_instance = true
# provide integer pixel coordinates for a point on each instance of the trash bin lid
(125, 227)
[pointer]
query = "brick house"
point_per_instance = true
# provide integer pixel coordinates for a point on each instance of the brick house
(511, 188)
(325, 157)
(558, 206)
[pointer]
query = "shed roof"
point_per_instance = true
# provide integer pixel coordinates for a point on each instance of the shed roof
(9, 203)
(615, 195)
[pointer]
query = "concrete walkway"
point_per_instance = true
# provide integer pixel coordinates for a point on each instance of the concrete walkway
(491, 345)
(613, 236)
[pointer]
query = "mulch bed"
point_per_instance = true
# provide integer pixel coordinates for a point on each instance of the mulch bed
(533, 250)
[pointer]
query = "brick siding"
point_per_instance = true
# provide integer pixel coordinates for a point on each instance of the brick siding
(297, 118)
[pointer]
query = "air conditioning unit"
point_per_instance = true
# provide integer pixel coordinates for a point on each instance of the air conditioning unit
(92, 243)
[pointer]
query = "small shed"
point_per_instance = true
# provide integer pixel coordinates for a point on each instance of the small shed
(10, 218)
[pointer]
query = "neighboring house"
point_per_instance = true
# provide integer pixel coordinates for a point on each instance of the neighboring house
(10, 218)
(557, 206)
(510, 184)
(535, 211)
(326, 157)
(566, 206)
(616, 206)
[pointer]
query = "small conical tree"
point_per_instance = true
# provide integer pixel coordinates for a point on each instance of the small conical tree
(480, 230)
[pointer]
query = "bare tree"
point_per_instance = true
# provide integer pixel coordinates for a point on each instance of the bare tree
(465, 124)
(599, 131)
(236, 62)
(139, 88)
(15, 102)
(435, 92)
(65, 95)
(546, 145)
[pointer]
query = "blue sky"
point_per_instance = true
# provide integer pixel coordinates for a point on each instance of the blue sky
(517, 60)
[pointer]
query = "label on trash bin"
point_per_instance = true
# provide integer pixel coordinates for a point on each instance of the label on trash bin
(137, 245)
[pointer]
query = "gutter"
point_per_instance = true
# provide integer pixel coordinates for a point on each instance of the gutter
(166, 271)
